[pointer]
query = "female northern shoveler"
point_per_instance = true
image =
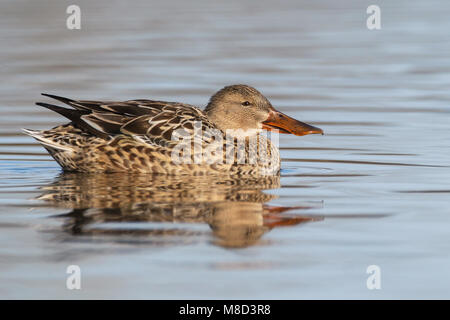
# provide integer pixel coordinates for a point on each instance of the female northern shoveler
(144, 135)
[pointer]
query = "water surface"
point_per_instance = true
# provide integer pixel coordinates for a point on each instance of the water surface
(374, 190)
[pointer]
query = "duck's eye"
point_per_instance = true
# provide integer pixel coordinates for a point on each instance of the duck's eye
(246, 103)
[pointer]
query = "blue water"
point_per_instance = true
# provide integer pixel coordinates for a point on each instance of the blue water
(374, 190)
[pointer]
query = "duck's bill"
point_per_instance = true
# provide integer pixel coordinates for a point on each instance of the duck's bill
(282, 123)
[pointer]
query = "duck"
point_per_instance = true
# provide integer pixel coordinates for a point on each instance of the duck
(232, 135)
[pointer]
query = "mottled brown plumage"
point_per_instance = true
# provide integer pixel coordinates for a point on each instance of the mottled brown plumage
(144, 135)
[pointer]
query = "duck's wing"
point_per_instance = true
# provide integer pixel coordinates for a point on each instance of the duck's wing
(149, 121)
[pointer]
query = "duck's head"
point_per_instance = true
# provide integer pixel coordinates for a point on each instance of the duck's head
(243, 107)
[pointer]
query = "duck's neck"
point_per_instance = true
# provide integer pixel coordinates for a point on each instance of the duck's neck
(242, 133)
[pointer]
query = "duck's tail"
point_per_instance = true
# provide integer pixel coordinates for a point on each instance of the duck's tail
(47, 141)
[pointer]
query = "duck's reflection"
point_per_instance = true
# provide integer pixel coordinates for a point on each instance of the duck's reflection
(234, 208)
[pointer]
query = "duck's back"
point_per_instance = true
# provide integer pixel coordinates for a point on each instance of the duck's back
(132, 136)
